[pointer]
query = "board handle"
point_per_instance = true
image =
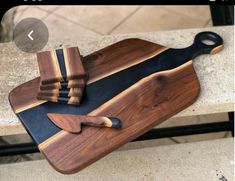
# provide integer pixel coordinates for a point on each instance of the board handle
(206, 42)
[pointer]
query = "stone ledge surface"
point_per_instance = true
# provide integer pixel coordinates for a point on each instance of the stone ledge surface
(215, 72)
(207, 160)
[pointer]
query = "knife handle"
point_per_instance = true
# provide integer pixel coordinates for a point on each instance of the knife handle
(105, 123)
(73, 123)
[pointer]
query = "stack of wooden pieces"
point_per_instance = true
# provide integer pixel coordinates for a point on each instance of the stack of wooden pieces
(62, 75)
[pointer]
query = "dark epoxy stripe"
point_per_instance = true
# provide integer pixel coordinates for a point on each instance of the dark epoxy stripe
(97, 93)
(60, 57)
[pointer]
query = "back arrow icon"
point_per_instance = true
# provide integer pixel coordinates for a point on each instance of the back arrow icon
(29, 35)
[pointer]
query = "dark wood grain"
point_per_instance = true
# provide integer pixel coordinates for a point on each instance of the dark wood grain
(20, 101)
(155, 99)
(119, 56)
(73, 63)
(75, 92)
(54, 92)
(74, 123)
(76, 83)
(49, 67)
(57, 85)
(76, 100)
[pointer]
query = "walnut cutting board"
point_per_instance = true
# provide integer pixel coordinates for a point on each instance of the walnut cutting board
(139, 82)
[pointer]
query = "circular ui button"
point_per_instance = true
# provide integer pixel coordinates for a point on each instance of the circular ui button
(30, 35)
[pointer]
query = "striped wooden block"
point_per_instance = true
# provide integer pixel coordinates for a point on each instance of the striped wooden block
(62, 75)
(60, 65)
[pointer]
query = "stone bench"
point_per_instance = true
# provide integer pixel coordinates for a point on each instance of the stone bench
(209, 160)
(214, 72)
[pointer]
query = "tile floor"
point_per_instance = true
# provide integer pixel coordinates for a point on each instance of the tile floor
(94, 21)
(81, 21)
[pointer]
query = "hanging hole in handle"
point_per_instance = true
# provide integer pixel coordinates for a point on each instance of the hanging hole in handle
(209, 39)
(208, 42)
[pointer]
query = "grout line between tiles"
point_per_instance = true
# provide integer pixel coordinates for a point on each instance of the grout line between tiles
(181, 14)
(21, 12)
(207, 22)
(54, 9)
(124, 20)
(76, 23)
(174, 140)
(48, 13)
(22, 8)
(3, 141)
(226, 134)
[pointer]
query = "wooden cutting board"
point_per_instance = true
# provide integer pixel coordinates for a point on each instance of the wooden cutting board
(139, 82)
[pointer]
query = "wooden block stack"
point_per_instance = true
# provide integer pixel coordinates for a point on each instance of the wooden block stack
(62, 75)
